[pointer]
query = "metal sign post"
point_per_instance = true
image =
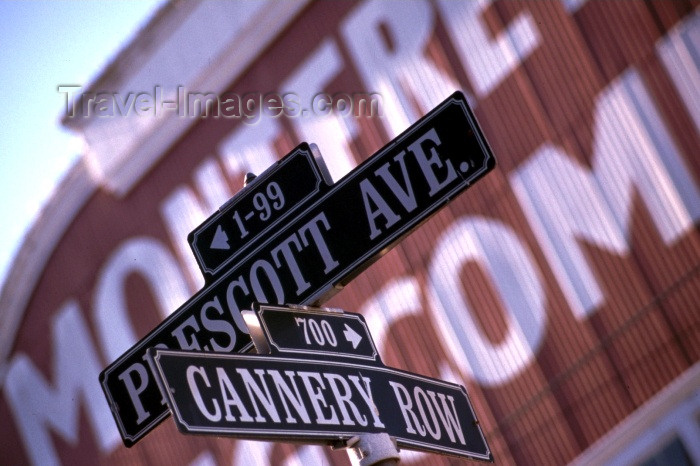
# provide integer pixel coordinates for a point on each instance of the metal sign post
(373, 450)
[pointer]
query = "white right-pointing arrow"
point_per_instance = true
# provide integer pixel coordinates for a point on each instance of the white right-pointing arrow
(352, 336)
(220, 240)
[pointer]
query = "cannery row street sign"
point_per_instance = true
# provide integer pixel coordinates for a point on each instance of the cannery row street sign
(263, 397)
(314, 253)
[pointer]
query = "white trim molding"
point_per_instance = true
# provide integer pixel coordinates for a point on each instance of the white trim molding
(199, 47)
(673, 412)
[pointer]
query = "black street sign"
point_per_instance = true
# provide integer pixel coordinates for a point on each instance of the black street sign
(314, 253)
(279, 398)
(256, 210)
(310, 332)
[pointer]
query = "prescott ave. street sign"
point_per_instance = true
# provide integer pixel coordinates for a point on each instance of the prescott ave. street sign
(310, 332)
(313, 253)
(275, 194)
(281, 398)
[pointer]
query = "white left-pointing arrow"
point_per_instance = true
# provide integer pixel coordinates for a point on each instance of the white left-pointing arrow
(352, 336)
(220, 240)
